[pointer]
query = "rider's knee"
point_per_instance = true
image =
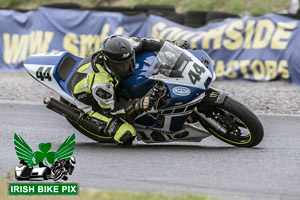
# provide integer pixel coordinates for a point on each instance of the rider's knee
(121, 131)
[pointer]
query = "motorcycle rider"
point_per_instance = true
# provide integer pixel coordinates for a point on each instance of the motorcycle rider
(64, 166)
(95, 81)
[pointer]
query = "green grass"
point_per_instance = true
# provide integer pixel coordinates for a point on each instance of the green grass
(157, 2)
(33, 4)
(231, 6)
(92, 194)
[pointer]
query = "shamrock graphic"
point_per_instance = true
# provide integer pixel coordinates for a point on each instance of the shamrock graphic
(24, 152)
(41, 155)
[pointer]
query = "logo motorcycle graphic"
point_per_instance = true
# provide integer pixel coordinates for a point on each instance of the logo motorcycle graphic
(51, 164)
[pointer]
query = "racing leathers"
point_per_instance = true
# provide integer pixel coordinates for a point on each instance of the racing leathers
(94, 92)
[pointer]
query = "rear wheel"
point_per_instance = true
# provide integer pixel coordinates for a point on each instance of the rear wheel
(86, 132)
(45, 177)
(234, 124)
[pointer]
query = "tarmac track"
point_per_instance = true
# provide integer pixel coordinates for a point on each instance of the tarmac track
(269, 171)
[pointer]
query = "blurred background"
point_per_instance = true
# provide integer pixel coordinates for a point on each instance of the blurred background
(253, 7)
(260, 58)
(257, 57)
(181, 12)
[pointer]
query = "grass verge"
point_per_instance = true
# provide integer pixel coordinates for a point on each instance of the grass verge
(93, 194)
(232, 6)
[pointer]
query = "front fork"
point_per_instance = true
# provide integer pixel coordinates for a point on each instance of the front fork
(213, 98)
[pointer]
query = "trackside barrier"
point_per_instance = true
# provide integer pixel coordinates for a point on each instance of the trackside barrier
(256, 48)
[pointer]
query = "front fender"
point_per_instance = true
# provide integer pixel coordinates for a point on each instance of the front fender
(213, 98)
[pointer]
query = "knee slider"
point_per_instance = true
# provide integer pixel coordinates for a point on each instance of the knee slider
(127, 139)
(121, 131)
(127, 136)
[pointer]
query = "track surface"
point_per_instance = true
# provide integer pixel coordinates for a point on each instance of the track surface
(269, 171)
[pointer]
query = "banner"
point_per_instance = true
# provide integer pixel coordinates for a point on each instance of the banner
(48, 29)
(258, 49)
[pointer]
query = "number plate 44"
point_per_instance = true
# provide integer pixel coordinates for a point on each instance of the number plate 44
(197, 74)
(44, 74)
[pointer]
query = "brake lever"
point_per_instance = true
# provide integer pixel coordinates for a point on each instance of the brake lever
(160, 96)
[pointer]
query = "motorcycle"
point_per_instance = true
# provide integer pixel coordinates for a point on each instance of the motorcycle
(188, 109)
(62, 168)
(23, 172)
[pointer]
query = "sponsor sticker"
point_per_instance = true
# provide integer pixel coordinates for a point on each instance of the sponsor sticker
(181, 91)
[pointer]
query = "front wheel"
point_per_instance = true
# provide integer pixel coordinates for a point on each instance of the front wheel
(234, 123)
(58, 174)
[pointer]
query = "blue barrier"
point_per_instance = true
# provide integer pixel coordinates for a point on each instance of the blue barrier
(257, 48)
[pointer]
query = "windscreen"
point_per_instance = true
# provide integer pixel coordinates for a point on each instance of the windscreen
(170, 62)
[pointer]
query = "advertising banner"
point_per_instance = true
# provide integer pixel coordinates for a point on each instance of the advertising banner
(48, 30)
(258, 48)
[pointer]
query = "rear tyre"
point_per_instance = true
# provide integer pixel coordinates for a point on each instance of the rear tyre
(84, 131)
(234, 124)
(45, 177)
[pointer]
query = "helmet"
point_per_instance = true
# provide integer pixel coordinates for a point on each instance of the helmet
(73, 159)
(118, 55)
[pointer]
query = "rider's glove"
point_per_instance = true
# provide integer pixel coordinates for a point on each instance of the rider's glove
(140, 105)
(144, 103)
(182, 44)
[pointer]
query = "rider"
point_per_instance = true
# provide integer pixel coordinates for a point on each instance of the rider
(95, 80)
(63, 165)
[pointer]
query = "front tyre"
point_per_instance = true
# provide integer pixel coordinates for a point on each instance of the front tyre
(58, 175)
(234, 123)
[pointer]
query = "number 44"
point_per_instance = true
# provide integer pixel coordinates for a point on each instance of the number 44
(195, 76)
(45, 75)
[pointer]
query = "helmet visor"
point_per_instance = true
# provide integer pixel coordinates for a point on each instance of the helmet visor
(122, 69)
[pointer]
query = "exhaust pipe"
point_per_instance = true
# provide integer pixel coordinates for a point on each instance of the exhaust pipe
(73, 114)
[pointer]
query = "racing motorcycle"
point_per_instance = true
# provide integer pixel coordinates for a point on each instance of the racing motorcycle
(62, 168)
(188, 109)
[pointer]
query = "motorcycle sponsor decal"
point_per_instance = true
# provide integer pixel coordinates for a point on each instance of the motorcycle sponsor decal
(183, 65)
(125, 55)
(44, 164)
(181, 91)
(214, 95)
(205, 62)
